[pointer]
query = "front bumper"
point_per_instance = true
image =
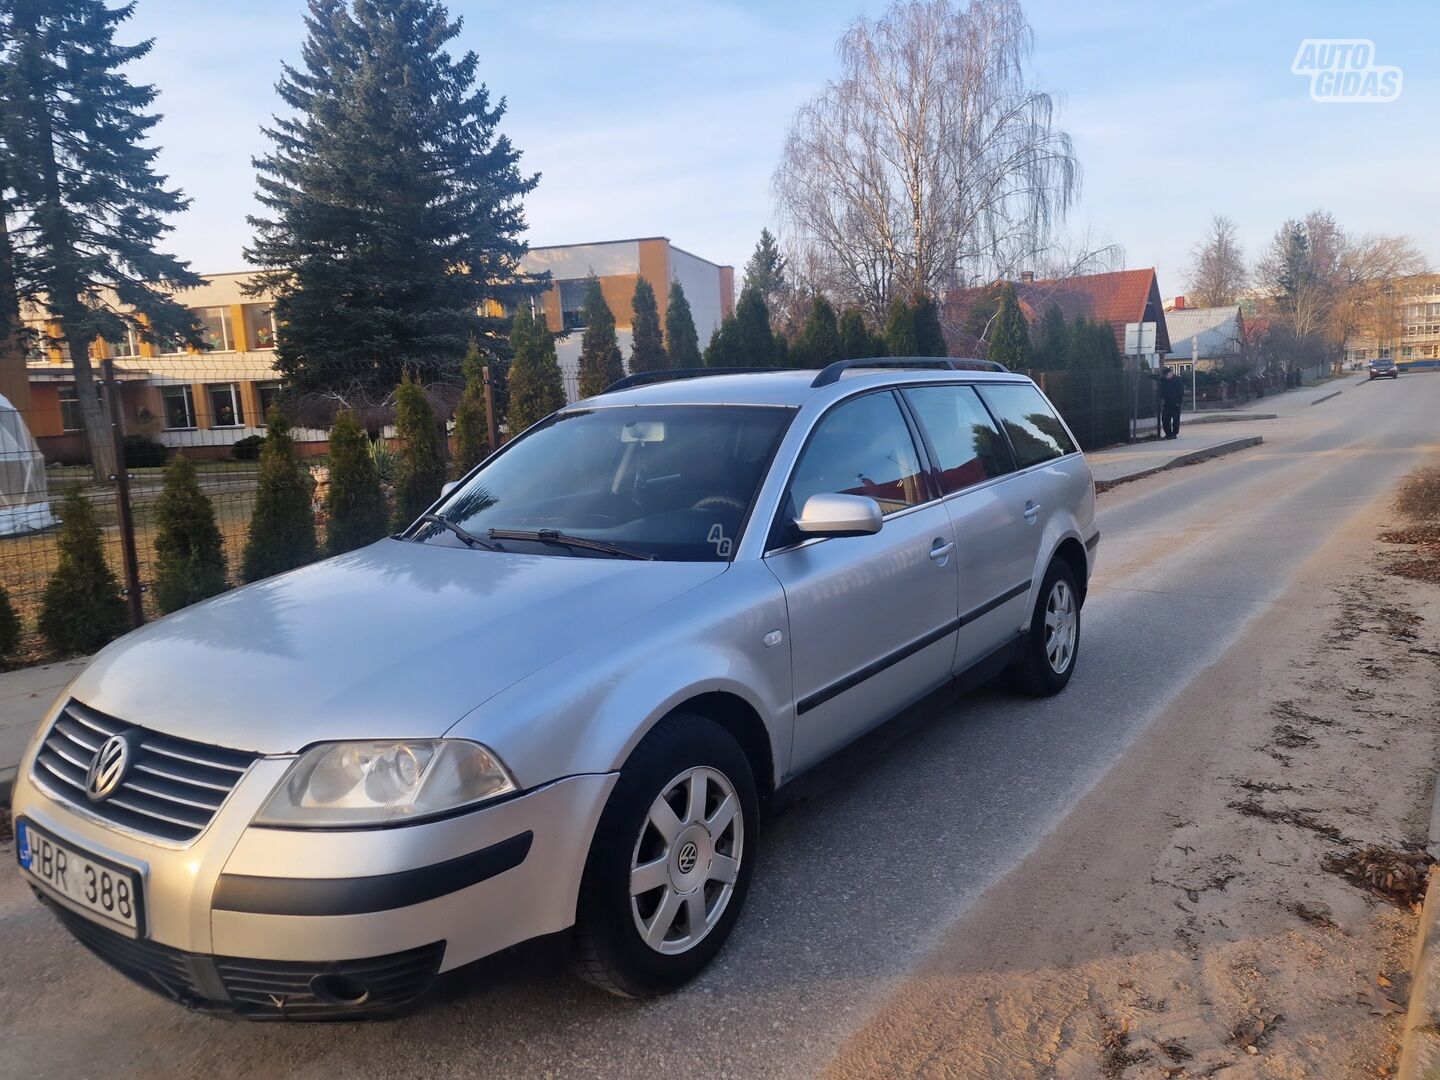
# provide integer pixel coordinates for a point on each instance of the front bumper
(246, 919)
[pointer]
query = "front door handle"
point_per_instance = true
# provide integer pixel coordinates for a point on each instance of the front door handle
(1032, 511)
(941, 550)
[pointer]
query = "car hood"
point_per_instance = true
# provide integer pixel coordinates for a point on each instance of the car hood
(395, 640)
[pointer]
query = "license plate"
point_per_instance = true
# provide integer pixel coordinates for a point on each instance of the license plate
(95, 886)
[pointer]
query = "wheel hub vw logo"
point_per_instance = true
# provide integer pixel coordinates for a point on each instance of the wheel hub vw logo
(107, 768)
(688, 857)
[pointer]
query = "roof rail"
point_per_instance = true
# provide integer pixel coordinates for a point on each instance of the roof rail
(644, 378)
(831, 374)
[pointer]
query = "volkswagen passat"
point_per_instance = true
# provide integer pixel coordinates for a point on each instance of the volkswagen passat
(561, 698)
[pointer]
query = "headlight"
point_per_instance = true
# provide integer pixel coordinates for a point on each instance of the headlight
(375, 783)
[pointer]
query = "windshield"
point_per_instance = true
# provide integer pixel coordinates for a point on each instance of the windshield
(663, 481)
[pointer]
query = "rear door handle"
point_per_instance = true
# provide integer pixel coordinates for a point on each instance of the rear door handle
(942, 549)
(1032, 511)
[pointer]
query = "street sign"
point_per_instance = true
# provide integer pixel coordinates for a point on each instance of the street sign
(1139, 339)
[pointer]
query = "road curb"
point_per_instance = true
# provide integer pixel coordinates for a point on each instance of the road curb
(1420, 1047)
(1218, 450)
(1327, 397)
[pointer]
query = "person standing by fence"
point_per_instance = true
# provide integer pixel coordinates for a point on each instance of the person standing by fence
(1172, 395)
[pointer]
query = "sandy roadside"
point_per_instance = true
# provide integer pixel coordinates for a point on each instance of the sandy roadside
(1181, 922)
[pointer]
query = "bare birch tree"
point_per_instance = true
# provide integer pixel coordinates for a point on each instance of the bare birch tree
(931, 160)
(1218, 273)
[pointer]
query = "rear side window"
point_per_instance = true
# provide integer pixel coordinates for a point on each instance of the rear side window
(1035, 431)
(967, 443)
(862, 447)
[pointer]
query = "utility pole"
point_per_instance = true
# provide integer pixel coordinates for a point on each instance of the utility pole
(1194, 367)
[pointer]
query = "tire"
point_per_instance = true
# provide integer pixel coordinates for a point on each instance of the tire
(1033, 672)
(700, 874)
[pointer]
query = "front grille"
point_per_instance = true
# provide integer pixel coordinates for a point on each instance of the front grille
(261, 989)
(171, 790)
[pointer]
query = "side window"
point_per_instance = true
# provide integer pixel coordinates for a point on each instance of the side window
(966, 440)
(1034, 429)
(861, 448)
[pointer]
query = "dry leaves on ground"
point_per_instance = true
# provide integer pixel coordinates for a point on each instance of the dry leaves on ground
(1397, 876)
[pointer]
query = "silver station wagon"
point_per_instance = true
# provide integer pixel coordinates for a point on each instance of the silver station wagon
(561, 698)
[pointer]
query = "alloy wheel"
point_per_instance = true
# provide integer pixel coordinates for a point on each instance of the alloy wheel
(1061, 627)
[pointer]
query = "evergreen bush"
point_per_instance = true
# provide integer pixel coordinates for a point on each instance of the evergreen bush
(282, 526)
(681, 339)
(420, 468)
(647, 348)
(82, 608)
(472, 422)
(535, 386)
(9, 626)
(601, 362)
(189, 550)
(355, 513)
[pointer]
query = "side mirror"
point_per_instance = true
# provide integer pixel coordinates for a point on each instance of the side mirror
(448, 487)
(840, 515)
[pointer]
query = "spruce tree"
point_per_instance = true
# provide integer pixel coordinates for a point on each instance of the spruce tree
(929, 337)
(681, 340)
(282, 525)
(82, 608)
(10, 627)
(723, 351)
(77, 170)
(392, 203)
(1009, 338)
(189, 550)
(819, 340)
(472, 422)
(755, 340)
(420, 470)
(765, 273)
(536, 387)
(601, 362)
(856, 341)
(354, 502)
(900, 336)
(647, 348)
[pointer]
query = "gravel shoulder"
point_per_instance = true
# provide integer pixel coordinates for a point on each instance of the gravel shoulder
(1182, 921)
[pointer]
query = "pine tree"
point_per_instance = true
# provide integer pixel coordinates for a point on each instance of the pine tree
(392, 204)
(76, 169)
(354, 502)
(82, 608)
(723, 351)
(601, 362)
(929, 337)
(10, 627)
(472, 422)
(647, 348)
(754, 338)
(282, 525)
(420, 470)
(1051, 352)
(765, 272)
(900, 337)
(189, 550)
(536, 387)
(681, 340)
(856, 341)
(1009, 338)
(819, 340)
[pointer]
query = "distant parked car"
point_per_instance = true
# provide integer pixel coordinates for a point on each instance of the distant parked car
(1384, 368)
(561, 697)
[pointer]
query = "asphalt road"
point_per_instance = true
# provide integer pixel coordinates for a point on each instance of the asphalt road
(854, 884)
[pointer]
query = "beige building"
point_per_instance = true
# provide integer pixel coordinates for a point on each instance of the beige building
(204, 400)
(1409, 330)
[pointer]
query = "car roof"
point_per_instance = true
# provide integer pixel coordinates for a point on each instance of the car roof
(786, 388)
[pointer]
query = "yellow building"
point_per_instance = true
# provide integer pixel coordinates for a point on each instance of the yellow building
(1407, 326)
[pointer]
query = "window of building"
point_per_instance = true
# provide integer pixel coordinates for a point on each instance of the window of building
(225, 410)
(260, 326)
(269, 393)
(861, 448)
(1035, 431)
(70, 409)
(1360, 354)
(572, 303)
(35, 349)
(969, 446)
(179, 407)
(1384, 352)
(214, 328)
(126, 343)
(1407, 352)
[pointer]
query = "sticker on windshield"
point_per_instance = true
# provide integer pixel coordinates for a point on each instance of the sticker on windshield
(720, 540)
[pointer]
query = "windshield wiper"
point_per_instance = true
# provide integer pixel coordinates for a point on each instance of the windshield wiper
(552, 536)
(471, 540)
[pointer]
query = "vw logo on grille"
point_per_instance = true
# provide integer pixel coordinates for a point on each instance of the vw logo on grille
(107, 768)
(689, 854)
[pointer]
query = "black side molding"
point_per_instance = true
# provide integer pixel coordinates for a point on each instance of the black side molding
(1090, 544)
(855, 678)
(362, 895)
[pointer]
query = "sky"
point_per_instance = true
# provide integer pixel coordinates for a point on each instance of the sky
(648, 119)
